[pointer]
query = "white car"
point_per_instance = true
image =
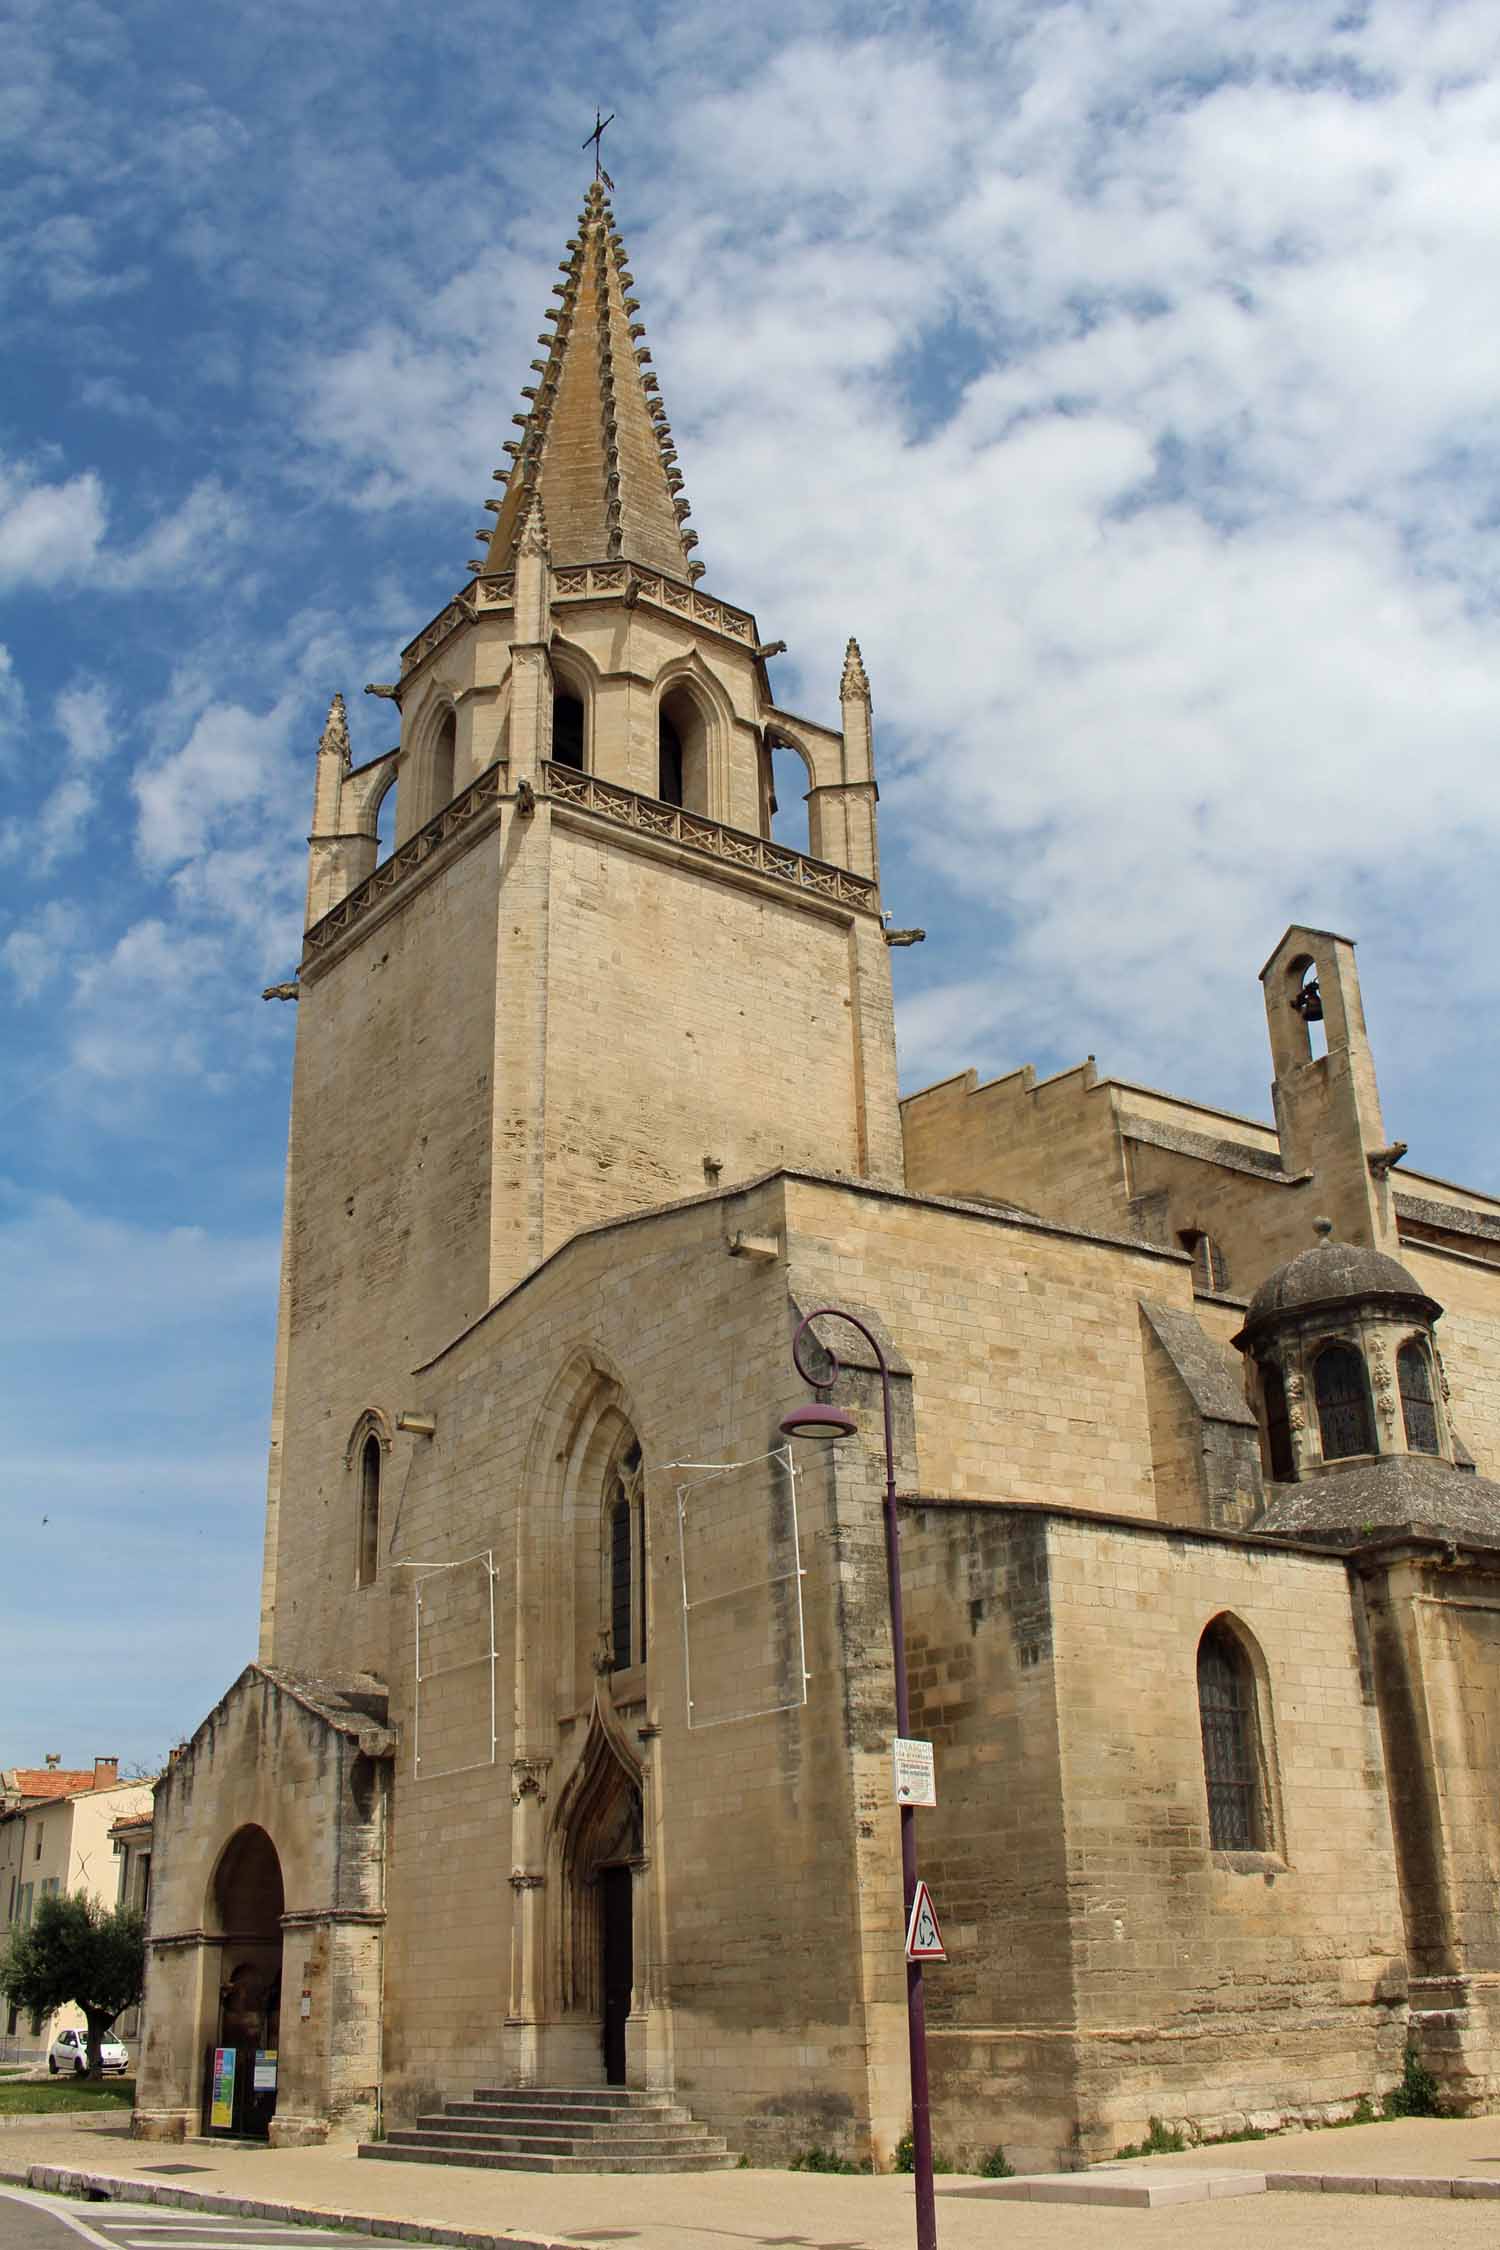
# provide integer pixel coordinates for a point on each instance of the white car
(70, 2051)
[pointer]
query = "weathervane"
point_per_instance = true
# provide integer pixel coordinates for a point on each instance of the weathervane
(594, 139)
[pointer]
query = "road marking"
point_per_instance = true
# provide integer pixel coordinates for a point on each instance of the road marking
(68, 2218)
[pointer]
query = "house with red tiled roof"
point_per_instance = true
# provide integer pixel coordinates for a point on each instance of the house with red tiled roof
(22, 1784)
(59, 1837)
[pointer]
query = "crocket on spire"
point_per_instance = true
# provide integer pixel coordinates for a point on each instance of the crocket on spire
(594, 440)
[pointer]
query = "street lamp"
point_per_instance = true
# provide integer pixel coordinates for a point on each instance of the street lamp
(819, 1419)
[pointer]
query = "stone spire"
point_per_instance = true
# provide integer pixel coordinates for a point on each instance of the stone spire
(594, 441)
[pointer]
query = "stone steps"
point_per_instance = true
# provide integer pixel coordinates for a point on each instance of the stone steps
(558, 2129)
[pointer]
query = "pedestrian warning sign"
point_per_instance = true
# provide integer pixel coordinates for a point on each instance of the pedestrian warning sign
(924, 1940)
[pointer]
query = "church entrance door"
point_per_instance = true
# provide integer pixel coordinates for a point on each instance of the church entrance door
(619, 1966)
(241, 2068)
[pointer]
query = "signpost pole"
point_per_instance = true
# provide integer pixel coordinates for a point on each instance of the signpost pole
(916, 2006)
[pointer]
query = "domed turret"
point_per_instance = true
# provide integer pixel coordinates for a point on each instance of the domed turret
(1332, 1274)
(1346, 1370)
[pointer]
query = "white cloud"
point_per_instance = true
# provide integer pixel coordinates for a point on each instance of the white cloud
(197, 539)
(12, 707)
(51, 529)
(84, 720)
(36, 952)
(94, 1275)
(231, 762)
(47, 530)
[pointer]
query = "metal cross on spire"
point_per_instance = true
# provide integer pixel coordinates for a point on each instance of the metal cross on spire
(594, 139)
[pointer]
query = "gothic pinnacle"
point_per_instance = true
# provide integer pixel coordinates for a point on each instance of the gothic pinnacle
(855, 685)
(336, 733)
(533, 537)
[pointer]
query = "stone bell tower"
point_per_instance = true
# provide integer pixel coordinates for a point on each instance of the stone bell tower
(1327, 1103)
(585, 980)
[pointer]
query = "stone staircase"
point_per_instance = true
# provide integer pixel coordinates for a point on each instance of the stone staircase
(559, 2129)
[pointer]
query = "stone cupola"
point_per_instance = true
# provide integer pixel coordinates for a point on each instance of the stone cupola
(1346, 1369)
(1352, 1402)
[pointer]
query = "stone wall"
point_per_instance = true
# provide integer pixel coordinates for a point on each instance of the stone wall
(1106, 1965)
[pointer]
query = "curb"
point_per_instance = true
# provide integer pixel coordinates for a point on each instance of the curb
(107, 2187)
(1382, 2183)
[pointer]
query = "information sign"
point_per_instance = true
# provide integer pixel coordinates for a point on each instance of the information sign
(221, 2108)
(916, 1783)
(265, 2070)
(924, 1940)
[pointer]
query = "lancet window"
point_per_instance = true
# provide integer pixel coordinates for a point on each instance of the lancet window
(567, 730)
(444, 751)
(1418, 1412)
(625, 1560)
(367, 1561)
(1231, 1749)
(668, 762)
(1343, 1396)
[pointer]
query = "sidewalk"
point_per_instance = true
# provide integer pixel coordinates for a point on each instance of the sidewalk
(789, 2210)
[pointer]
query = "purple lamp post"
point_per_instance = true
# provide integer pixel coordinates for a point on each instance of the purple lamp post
(819, 1419)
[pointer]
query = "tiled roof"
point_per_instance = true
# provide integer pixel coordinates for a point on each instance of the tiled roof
(44, 1781)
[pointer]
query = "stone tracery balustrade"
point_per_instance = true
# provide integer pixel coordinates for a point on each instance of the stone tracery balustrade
(736, 846)
(392, 872)
(586, 582)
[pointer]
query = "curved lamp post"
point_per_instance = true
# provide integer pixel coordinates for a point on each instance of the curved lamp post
(819, 1419)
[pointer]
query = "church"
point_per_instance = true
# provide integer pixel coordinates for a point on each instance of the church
(564, 1766)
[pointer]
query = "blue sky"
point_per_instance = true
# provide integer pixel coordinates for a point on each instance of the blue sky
(1122, 376)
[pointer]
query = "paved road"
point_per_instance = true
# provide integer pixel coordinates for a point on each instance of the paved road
(54, 2222)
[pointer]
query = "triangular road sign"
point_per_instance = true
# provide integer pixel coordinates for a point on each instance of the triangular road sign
(924, 1940)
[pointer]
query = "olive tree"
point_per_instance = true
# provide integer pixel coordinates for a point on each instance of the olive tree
(75, 1950)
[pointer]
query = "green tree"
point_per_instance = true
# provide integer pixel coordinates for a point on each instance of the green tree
(75, 1950)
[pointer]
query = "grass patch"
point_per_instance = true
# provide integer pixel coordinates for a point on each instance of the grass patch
(45, 2097)
(821, 2160)
(1417, 2094)
(1159, 2141)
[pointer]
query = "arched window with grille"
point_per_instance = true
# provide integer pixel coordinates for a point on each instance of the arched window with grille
(367, 1560)
(1343, 1395)
(1282, 1462)
(1418, 1411)
(1231, 1742)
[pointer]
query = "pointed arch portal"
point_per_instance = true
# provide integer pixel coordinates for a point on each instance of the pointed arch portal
(599, 1833)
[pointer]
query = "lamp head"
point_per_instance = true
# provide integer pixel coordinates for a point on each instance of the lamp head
(817, 1419)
